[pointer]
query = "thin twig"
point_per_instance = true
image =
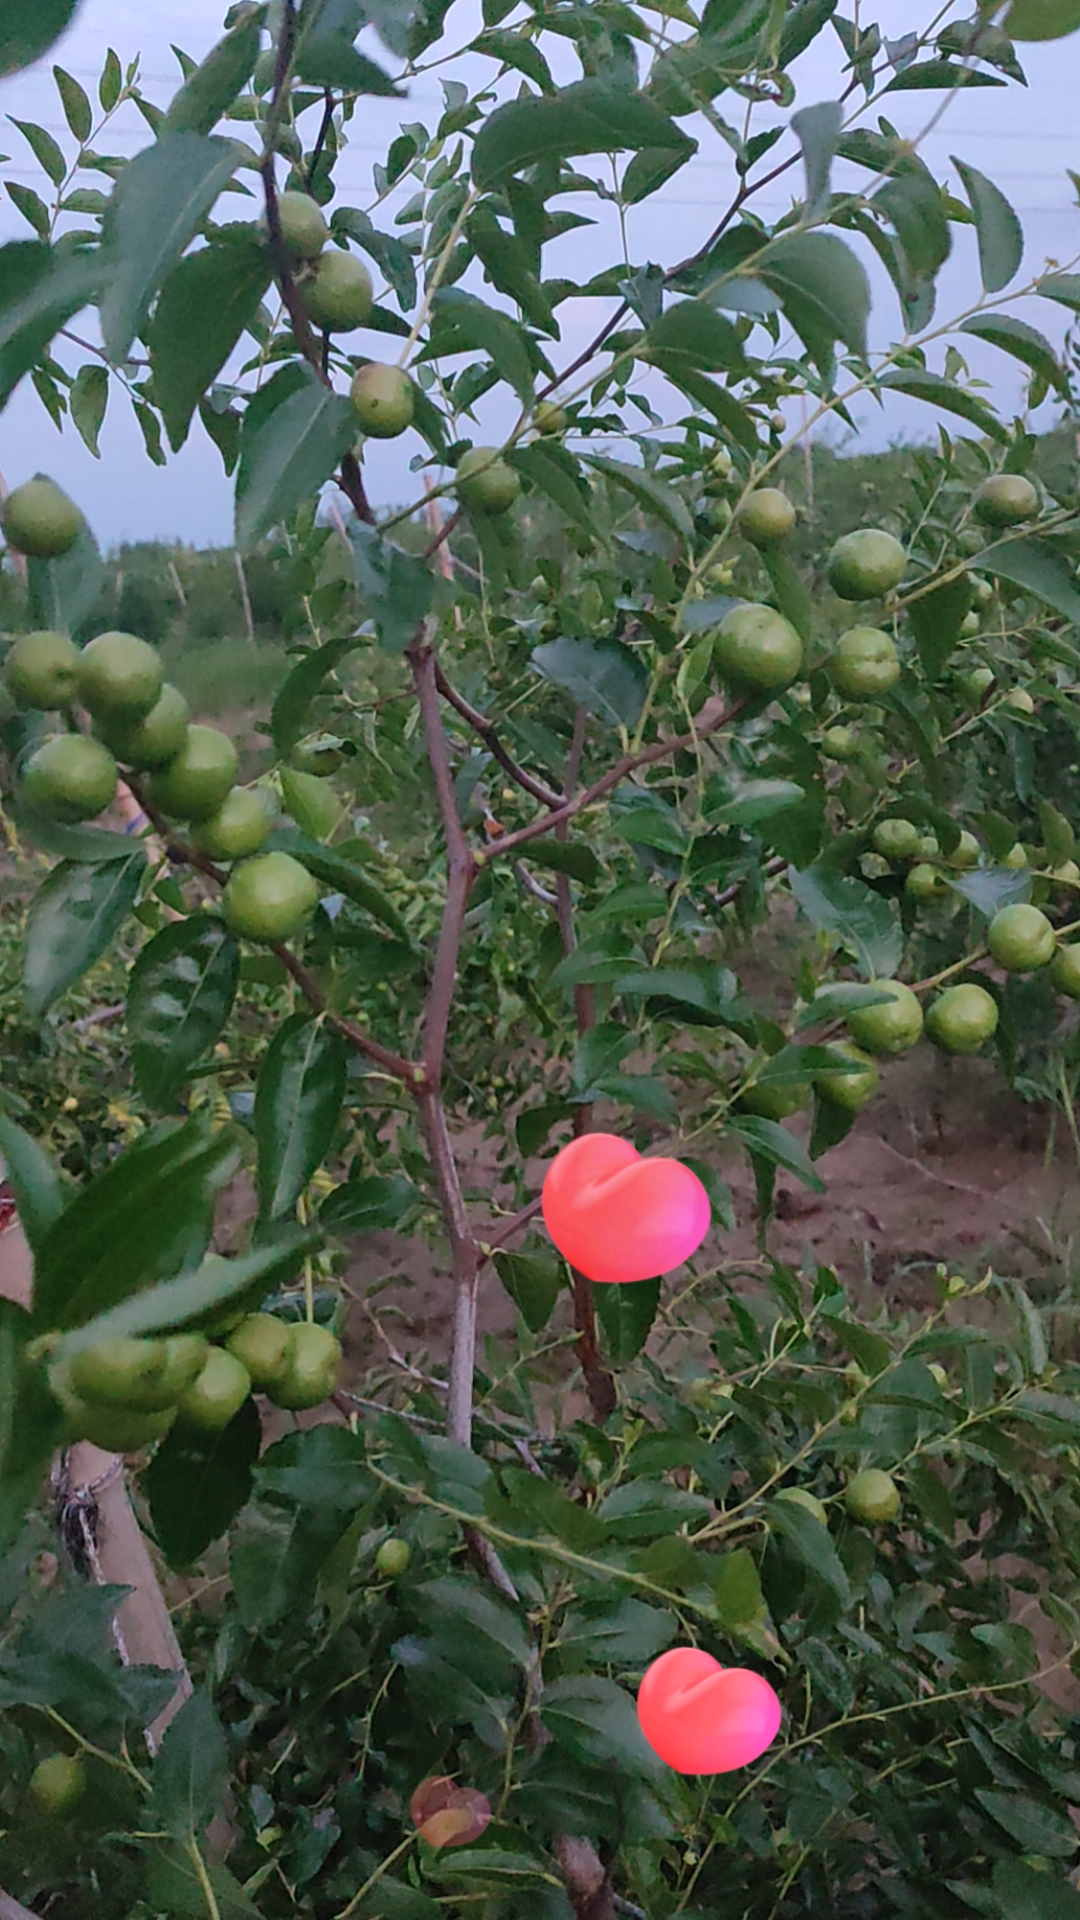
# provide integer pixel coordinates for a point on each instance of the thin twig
(320, 138)
(481, 725)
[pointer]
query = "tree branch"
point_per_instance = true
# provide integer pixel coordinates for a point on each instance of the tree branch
(320, 138)
(480, 724)
(442, 532)
(627, 765)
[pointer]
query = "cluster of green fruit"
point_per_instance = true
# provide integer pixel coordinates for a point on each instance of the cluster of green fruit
(141, 723)
(759, 651)
(123, 1394)
(871, 1496)
(337, 293)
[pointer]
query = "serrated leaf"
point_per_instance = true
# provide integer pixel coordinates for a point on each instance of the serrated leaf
(289, 457)
(158, 205)
(190, 1769)
(818, 130)
(28, 29)
(939, 392)
(327, 57)
(397, 587)
(940, 76)
(1000, 235)
(626, 1311)
(566, 856)
(73, 99)
(31, 1423)
(990, 888)
(290, 710)
(533, 1283)
(936, 619)
(214, 85)
(340, 872)
(196, 1296)
(864, 923)
(204, 307)
(694, 331)
(462, 323)
(767, 1141)
(585, 117)
(196, 1484)
(602, 675)
(812, 1544)
(87, 401)
(43, 147)
(556, 473)
(1038, 566)
(298, 1100)
(179, 997)
(40, 291)
(40, 1194)
(823, 288)
(650, 492)
(1023, 342)
(73, 917)
(369, 1204)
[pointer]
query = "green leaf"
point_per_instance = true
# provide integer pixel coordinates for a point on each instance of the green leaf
(936, 620)
(767, 1141)
(737, 1591)
(73, 918)
(144, 1218)
(327, 57)
(693, 330)
(87, 400)
(626, 1312)
(44, 149)
(196, 1484)
(597, 1723)
(792, 594)
(823, 287)
(555, 472)
(341, 873)
(111, 82)
(31, 1423)
(651, 169)
(290, 710)
(28, 29)
(204, 307)
(190, 1770)
(298, 1100)
(214, 85)
(940, 76)
(77, 109)
(179, 997)
(990, 888)
(397, 587)
(914, 205)
(652, 494)
(602, 675)
(513, 50)
(533, 1283)
(175, 1886)
(624, 1633)
(818, 130)
(1039, 567)
(390, 254)
(1057, 834)
(939, 392)
(195, 1297)
(62, 592)
(1064, 288)
(1029, 1893)
(585, 117)
(31, 206)
(1023, 342)
(1035, 1827)
(1042, 19)
(461, 323)
(1000, 235)
(40, 291)
(40, 1194)
(288, 455)
(158, 206)
(369, 1204)
(863, 922)
(566, 856)
(811, 1543)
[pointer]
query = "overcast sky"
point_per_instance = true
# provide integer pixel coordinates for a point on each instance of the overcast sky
(1019, 137)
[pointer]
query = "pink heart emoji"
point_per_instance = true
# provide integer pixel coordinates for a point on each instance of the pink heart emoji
(704, 1718)
(617, 1217)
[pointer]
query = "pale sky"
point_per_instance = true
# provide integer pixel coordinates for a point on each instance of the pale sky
(1020, 138)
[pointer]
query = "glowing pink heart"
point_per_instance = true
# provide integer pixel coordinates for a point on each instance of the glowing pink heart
(617, 1217)
(704, 1718)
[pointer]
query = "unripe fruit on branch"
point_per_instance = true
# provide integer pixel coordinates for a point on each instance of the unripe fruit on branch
(757, 650)
(872, 1496)
(42, 671)
(961, 1018)
(237, 829)
(896, 839)
(121, 1429)
(969, 626)
(775, 1099)
(269, 898)
(891, 1026)
(339, 297)
(1020, 700)
(383, 400)
(155, 739)
(1020, 939)
(393, 1558)
(550, 418)
(864, 665)
(840, 743)
(484, 482)
(261, 1343)
(1016, 858)
(303, 229)
(1065, 970)
(798, 1497)
(40, 520)
(120, 677)
(311, 1370)
(966, 851)
(58, 1783)
(218, 1393)
(194, 785)
(926, 883)
(766, 516)
(145, 1376)
(866, 564)
(976, 683)
(850, 1088)
(1005, 500)
(70, 777)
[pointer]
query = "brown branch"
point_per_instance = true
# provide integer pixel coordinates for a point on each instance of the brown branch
(587, 1882)
(320, 138)
(481, 725)
(628, 764)
(491, 1239)
(442, 532)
